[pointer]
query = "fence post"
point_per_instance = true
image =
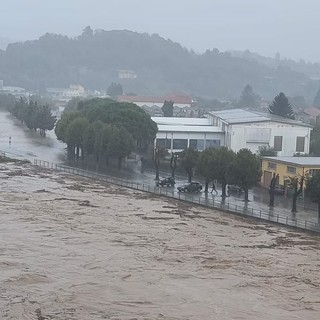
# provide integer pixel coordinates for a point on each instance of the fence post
(277, 218)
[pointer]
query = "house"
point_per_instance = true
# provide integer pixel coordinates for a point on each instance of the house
(308, 115)
(287, 167)
(251, 129)
(179, 100)
(235, 129)
(74, 91)
(127, 74)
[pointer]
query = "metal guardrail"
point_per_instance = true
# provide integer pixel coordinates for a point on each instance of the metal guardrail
(244, 210)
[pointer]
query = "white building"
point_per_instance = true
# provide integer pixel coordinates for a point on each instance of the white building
(177, 134)
(250, 129)
(74, 91)
(235, 129)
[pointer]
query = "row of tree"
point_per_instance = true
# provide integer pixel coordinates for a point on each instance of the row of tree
(103, 129)
(35, 117)
(227, 167)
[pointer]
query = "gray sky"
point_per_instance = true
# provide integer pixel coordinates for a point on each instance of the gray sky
(290, 27)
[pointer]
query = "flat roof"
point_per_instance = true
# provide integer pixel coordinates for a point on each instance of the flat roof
(180, 128)
(234, 116)
(300, 161)
(182, 121)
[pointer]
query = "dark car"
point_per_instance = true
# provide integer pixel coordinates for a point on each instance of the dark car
(279, 190)
(166, 182)
(190, 187)
(234, 188)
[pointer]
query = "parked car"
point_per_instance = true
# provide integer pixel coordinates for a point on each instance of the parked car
(166, 182)
(190, 187)
(279, 190)
(235, 189)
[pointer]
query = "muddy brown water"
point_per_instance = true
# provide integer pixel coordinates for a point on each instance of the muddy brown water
(71, 248)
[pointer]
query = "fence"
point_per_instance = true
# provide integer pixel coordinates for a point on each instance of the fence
(196, 199)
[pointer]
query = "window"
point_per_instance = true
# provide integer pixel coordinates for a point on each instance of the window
(180, 144)
(312, 172)
(213, 143)
(164, 143)
(291, 169)
(300, 144)
(277, 143)
(197, 144)
(272, 166)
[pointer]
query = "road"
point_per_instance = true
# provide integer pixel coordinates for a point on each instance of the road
(29, 145)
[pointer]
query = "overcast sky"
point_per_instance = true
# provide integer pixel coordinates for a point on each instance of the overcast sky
(290, 27)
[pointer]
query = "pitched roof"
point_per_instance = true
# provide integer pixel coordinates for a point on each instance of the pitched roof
(312, 111)
(176, 98)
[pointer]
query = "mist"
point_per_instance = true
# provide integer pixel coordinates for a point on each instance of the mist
(265, 26)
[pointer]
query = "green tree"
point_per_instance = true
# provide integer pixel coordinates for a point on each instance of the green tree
(281, 107)
(188, 159)
(313, 189)
(75, 135)
(222, 164)
(115, 90)
(167, 108)
(267, 151)
(248, 98)
(44, 120)
(245, 171)
(204, 166)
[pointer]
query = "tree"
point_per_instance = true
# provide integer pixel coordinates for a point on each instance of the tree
(296, 184)
(222, 166)
(204, 166)
(245, 171)
(248, 98)
(316, 101)
(173, 164)
(167, 108)
(313, 189)
(267, 151)
(115, 90)
(188, 159)
(281, 107)
(44, 120)
(272, 189)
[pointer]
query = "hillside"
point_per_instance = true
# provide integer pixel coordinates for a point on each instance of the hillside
(93, 60)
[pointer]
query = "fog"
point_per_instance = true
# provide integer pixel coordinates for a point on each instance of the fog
(265, 26)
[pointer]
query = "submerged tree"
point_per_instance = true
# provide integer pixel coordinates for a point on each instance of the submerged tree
(188, 159)
(272, 188)
(281, 107)
(245, 171)
(296, 184)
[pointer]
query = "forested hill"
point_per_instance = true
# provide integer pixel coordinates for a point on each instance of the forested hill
(93, 60)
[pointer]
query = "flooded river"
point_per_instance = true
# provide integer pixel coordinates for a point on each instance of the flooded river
(75, 249)
(28, 144)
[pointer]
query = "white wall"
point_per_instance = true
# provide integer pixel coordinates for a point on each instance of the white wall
(251, 135)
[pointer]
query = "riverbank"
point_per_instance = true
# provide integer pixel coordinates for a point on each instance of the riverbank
(72, 248)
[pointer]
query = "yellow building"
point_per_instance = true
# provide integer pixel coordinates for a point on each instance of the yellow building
(287, 167)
